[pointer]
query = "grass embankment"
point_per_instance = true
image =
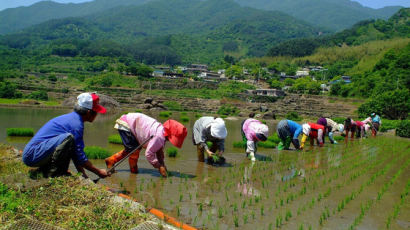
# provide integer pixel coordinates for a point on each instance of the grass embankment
(67, 202)
(7, 101)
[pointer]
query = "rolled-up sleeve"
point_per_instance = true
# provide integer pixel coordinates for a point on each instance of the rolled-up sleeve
(154, 146)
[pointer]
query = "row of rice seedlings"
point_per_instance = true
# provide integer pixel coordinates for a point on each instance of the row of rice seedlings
(21, 132)
(385, 187)
(329, 190)
(115, 139)
(165, 114)
(96, 152)
(397, 207)
(184, 118)
(354, 194)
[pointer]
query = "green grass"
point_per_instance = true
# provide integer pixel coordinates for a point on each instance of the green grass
(21, 132)
(95, 152)
(9, 101)
(115, 139)
(172, 152)
(173, 105)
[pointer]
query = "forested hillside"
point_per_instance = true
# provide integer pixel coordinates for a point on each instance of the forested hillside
(396, 26)
(195, 30)
(331, 14)
(15, 19)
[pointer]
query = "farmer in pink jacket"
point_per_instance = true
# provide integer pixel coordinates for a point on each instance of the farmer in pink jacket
(135, 128)
(252, 132)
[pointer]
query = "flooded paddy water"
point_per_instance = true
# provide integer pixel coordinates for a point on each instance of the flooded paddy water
(359, 184)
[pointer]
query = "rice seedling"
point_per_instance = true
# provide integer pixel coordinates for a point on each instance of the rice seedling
(181, 197)
(262, 210)
(239, 144)
(21, 132)
(245, 219)
(115, 139)
(172, 151)
(288, 215)
(220, 212)
(95, 152)
(184, 118)
(236, 221)
(165, 114)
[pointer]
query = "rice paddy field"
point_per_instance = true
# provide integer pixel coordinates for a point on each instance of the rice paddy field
(359, 184)
(355, 184)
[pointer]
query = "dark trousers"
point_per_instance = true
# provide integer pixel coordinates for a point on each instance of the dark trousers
(56, 164)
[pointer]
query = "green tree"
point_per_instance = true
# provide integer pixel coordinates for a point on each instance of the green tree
(391, 105)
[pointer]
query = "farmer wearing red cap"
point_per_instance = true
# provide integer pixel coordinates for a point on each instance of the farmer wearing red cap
(135, 128)
(61, 139)
(313, 131)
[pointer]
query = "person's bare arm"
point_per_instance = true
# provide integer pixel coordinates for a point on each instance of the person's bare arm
(89, 166)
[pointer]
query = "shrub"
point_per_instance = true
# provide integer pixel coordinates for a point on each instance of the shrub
(403, 129)
(95, 152)
(22, 132)
(39, 95)
(165, 113)
(172, 152)
(388, 125)
(173, 105)
(293, 116)
(9, 90)
(115, 139)
(391, 105)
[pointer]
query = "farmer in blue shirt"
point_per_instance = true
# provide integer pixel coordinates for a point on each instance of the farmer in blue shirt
(61, 139)
(288, 131)
(376, 122)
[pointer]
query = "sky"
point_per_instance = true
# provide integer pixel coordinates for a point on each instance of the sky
(369, 3)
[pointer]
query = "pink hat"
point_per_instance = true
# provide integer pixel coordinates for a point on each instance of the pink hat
(90, 101)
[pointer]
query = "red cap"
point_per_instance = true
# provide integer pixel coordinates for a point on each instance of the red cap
(176, 132)
(90, 101)
(96, 104)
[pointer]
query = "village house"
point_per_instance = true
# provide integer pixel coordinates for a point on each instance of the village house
(266, 92)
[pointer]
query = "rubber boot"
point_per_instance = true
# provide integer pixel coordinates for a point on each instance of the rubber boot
(110, 161)
(133, 161)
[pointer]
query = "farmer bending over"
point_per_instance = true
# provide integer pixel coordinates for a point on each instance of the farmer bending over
(313, 131)
(61, 139)
(376, 122)
(253, 131)
(135, 128)
(330, 128)
(209, 129)
(288, 131)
